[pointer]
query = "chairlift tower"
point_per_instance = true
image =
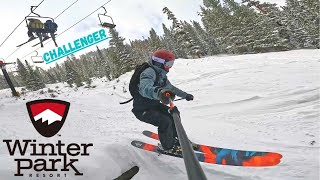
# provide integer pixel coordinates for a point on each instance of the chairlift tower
(6, 76)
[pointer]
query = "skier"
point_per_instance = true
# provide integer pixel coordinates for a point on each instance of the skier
(50, 27)
(152, 85)
(34, 26)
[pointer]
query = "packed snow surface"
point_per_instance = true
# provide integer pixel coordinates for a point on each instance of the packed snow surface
(263, 102)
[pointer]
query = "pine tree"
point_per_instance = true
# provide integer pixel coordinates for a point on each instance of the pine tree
(104, 65)
(87, 65)
(98, 60)
(57, 75)
(170, 42)
(180, 35)
(34, 81)
(22, 72)
(51, 78)
(267, 32)
(72, 77)
(47, 76)
(120, 55)
(154, 41)
(207, 41)
(216, 19)
(14, 80)
(302, 20)
(140, 51)
(60, 73)
(3, 82)
(197, 48)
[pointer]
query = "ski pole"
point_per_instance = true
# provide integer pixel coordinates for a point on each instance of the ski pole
(178, 99)
(191, 162)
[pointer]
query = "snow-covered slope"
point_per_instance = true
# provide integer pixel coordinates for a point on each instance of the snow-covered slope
(263, 102)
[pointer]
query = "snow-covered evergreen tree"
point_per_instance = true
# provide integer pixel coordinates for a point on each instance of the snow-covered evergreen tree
(72, 77)
(50, 78)
(216, 22)
(171, 43)
(22, 72)
(3, 82)
(154, 41)
(302, 19)
(207, 41)
(140, 51)
(33, 81)
(181, 36)
(60, 73)
(198, 47)
(120, 54)
(104, 63)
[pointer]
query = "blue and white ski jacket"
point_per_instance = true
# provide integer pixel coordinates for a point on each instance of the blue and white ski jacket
(149, 89)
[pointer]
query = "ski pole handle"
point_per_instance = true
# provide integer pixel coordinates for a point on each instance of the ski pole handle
(170, 100)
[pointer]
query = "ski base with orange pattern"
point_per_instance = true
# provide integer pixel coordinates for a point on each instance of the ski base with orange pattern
(231, 156)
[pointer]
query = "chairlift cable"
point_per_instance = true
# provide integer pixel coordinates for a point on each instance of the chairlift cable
(69, 28)
(54, 19)
(19, 25)
(66, 9)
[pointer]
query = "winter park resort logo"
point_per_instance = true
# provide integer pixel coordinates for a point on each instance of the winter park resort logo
(48, 160)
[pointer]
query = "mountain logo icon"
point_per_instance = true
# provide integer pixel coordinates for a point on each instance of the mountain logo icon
(48, 115)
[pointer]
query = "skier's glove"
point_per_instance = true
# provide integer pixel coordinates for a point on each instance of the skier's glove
(189, 97)
(163, 96)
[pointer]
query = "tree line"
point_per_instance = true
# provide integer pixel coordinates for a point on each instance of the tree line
(227, 27)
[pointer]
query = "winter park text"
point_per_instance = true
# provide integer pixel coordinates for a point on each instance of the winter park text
(48, 149)
(77, 45)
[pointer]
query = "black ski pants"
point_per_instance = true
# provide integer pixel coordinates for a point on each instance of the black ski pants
(161, 118)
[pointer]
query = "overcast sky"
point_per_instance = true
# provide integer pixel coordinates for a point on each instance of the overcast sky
(133, 18)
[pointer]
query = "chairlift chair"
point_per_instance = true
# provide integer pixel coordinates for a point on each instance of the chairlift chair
(35, 59)
(39, 27)
(106, 24)
(36, 16)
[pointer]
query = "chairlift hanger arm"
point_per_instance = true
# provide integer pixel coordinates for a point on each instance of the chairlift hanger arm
(37, 15)
(32, 10)
(105, 10)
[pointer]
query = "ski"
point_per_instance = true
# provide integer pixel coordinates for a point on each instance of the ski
(31, 39)
(221, 153)
(269, 159)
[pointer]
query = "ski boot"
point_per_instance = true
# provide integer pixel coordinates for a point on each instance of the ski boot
(175, 150)
(194, 146)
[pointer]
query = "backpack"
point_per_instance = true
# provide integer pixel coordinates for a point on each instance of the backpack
(135, 80)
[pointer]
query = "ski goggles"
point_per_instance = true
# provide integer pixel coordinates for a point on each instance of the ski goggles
(166, 63)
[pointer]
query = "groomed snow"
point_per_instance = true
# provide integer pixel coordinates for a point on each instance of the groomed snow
(263, 102)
